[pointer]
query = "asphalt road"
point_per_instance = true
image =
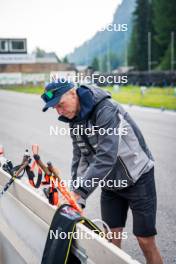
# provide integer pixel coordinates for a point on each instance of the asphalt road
(22, 123)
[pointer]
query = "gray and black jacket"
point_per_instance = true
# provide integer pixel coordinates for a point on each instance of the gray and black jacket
(108, 157)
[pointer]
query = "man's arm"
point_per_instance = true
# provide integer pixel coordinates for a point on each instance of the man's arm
(106, 154)
(77, 162)
(76, 158)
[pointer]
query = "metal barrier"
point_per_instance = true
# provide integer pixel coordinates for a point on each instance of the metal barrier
(24, 224)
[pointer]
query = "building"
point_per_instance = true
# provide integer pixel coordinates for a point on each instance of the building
(17, 66)
(13, 46)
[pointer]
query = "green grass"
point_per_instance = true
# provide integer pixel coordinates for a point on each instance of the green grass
(25, 89)
(154, 97)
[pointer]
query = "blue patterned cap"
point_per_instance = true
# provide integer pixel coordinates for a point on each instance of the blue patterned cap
(54, 91)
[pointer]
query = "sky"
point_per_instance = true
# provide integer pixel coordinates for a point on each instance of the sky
(54, 25)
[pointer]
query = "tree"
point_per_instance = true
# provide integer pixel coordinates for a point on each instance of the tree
(40, 53)
(132, 47)
(165, 23)
(110, 62)
(65, 60)
(138, 50)
(95, 64)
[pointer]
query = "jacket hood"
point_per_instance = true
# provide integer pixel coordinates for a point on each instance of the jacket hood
(89, 97)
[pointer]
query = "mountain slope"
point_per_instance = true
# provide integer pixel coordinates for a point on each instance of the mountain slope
(105, 41)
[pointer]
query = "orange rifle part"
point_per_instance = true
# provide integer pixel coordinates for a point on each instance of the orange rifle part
(63, 189)
(53, 173)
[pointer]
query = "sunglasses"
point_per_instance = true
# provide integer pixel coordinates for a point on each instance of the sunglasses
(49, 95)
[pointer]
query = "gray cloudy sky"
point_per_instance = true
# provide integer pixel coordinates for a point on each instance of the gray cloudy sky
(54, 25)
